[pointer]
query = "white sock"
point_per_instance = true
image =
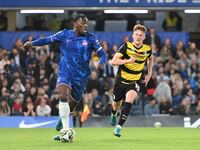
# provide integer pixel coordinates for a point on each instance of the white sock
(118, 126)
(64, 112)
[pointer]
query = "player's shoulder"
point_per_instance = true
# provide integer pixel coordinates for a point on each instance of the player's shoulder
(90, 34)
(146, 47)
(68, 32)
(129, 44)
(62, 32)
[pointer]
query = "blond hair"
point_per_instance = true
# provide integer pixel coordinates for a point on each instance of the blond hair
(140, 27)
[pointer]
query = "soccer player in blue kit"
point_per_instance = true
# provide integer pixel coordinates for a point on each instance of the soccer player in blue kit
(76, 47)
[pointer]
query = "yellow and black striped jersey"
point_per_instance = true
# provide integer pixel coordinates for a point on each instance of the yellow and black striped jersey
(133, 71)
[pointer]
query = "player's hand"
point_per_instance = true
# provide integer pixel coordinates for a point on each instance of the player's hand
(100, 66)
(28, 44)
(132, 59)
(146, 80)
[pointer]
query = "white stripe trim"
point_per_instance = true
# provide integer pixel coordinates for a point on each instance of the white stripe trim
(99, 49)
(63, 84)
(52, 38)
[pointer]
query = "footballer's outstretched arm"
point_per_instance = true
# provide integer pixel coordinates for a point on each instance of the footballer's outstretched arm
(44, 41)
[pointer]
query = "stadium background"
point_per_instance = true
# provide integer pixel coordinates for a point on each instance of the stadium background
(27, 76)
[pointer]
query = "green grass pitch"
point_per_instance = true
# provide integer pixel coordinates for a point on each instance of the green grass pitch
(102, 139)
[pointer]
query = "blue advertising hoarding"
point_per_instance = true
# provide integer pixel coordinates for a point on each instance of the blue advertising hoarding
(29, 122)
(99, 3)
(7, 39)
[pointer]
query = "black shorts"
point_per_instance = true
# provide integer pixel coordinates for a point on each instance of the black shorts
(121, 88)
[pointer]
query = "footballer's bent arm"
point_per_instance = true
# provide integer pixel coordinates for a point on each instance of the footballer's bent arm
(102, 55)
(150, 65)
(117, 60)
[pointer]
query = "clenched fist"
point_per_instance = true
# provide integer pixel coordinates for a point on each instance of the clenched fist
(28, 44)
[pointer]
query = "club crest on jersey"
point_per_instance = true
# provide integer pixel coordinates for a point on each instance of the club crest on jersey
(68, 40)
(84, 43)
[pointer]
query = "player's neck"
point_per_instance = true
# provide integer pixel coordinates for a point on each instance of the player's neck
(76, 32)
(137, 45)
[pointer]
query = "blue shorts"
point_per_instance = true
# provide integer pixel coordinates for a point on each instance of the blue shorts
(77, 86)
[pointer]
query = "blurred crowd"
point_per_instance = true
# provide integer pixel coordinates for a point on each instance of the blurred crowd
(28, 80)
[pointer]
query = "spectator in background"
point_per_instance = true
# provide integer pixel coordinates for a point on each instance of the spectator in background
(176, 96)
(165, 106)
(3, 21)
(192, 97)
(151, 108)
(97, 105)
(193, 68)
(93, 83)
(131, 18)
(19, 54)
(16, 93)
(172, 22)
(153, 38)
(4, 60)
(4, 107)
(107, 49)
(17, 107)
(31, 64)
(43, 109)
(53, 76)
(41, 95)
(55, 103)
(125, 39)
(107, 102)
(197, 110)
(192, 49)
(66, 24)
(29, 24)
(184, 108)
(100, 21)
(5, 94)
(28, 109)
(163, 89)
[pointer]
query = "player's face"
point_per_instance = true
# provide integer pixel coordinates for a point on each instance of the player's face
(81, 26)
(138, 37)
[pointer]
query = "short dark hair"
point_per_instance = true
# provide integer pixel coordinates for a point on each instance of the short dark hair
(78, 16)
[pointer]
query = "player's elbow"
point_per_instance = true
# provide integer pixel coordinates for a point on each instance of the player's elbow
(113, 62)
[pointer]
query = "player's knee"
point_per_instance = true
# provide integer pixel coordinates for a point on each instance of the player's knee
(64, 97)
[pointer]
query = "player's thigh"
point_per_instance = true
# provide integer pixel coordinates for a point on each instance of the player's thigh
(118, 92)
(132, 92)
(131, 96)
(64, 91)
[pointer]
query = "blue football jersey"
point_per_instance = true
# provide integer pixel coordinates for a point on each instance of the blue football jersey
(75, 52)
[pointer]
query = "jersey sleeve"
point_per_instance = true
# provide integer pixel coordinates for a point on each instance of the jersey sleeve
(58, 36)
(48, 40)
(96, 45)
(122, 49)
(150, 53)
(99, 50)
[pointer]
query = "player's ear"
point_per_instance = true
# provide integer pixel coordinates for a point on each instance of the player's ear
(75, 24)
(144, 37)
